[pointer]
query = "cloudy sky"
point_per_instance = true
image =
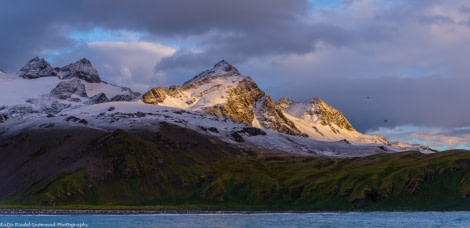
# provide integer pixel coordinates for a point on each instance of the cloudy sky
(394, 67)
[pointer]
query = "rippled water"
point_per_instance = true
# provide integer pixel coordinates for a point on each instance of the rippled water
(350, 219)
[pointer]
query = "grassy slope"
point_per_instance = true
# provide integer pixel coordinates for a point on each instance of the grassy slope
(179, 169)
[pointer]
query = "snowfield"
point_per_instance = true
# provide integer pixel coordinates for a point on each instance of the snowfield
(136, 115)
(17, 90)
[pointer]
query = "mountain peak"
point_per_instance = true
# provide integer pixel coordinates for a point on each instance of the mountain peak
(315, 110)
(85, 61)
(35, 59)
(221, 68)
(36, 68)
(81, 69)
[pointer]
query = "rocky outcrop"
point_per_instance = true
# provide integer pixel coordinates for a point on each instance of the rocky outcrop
(54, 107)
(3, 117)
(271, 117)
(36, 68)
(174, 91)
(81, 69)
(97, 99)
(154, 96)
(65, 89)
(128, 95)
(124, 97)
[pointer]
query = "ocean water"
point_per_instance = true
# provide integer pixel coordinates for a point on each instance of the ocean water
(347, 219)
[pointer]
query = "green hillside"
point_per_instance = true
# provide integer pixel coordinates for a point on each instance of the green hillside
(180, 169)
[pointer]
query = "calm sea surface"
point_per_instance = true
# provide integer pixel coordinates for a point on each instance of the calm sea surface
(352, 219)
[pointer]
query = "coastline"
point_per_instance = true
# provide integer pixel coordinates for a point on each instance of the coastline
(131, 212)
(155, 212)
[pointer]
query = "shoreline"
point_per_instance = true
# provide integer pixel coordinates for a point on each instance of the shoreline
(156, 212)
(132, 212)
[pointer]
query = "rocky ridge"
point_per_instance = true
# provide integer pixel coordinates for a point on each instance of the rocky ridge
(81, 69)
(224, 91)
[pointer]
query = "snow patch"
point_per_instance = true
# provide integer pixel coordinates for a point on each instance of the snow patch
(17, 90)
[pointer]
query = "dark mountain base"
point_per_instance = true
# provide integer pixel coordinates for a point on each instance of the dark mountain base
(179, 169)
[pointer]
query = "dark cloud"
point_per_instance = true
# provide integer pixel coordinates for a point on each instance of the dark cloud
(434, 101)
(261, 27)
(27, 30)
(298, 38)
(184, 17)
(409, 57)
(31, 27)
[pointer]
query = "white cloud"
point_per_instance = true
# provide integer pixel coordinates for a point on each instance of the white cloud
(129, 64)
(437, 138)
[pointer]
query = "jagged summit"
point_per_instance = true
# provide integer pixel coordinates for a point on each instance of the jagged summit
(221, 68)
(36, 68)
(81, 69)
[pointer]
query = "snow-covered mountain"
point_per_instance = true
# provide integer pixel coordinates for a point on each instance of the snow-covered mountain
(219, 103)
(41, 89)
(223, 91)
